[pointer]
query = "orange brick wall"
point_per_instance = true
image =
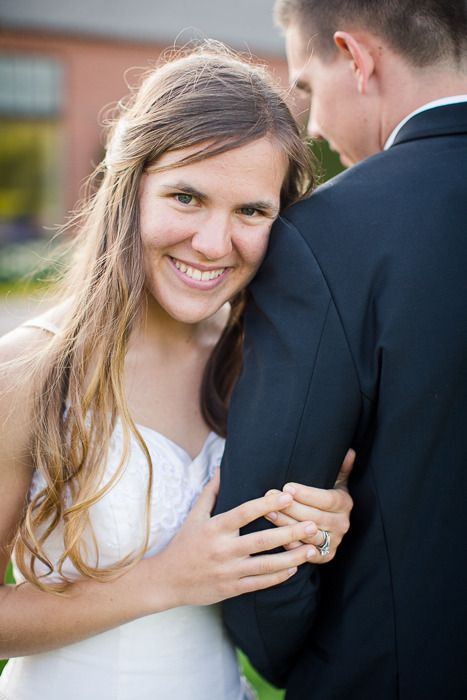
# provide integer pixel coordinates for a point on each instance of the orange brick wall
(93, 71)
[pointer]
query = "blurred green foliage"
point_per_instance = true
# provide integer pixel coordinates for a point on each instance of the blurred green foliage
(328, 161)
(35, 262)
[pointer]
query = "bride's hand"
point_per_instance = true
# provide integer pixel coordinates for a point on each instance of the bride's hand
(328, 509)
(208, 560)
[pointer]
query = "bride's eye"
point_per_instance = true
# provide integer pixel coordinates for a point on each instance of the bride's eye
(184, 198)
(248, 211)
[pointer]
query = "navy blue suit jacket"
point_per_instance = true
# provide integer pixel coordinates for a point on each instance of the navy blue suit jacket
(356, 334)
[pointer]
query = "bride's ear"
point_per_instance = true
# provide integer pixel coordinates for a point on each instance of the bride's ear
(360, 57)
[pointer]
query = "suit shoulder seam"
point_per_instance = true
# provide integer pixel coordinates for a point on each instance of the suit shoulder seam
(333, 301)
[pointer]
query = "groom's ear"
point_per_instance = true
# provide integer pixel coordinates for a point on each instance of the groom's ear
(359, 54)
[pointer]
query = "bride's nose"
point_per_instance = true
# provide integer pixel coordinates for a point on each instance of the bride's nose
(213, 239)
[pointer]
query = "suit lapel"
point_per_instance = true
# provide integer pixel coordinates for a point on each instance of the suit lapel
(438, 121)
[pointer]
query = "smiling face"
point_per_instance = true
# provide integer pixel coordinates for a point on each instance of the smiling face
(205, 225)
(338, 112)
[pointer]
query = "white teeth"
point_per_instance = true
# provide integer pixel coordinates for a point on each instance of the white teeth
(196, 274)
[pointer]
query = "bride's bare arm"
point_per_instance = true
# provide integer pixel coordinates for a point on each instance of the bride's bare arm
(207, 560)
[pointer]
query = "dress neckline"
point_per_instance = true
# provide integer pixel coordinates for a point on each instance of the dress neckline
(155, 433)
(46, 325)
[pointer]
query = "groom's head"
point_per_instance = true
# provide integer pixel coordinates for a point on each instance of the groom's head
(366, 64)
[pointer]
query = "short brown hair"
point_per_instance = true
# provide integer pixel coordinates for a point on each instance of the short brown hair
(423, 31)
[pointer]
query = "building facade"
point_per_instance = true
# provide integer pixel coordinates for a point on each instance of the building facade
(62, 65)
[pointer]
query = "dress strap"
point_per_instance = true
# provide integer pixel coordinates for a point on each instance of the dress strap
(43, 324)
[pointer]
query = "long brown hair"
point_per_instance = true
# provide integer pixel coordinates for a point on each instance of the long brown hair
(208, 98)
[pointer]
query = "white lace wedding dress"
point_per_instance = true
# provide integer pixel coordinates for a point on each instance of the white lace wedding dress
(180, 654)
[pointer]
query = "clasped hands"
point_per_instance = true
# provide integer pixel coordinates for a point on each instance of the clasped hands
(327, 510)
(209, 559)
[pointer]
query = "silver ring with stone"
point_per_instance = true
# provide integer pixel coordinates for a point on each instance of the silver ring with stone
(325, 547)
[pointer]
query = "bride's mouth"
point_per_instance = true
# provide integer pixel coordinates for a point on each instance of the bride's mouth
(194, 276)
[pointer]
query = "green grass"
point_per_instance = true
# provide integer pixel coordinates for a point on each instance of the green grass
(264, 690)
(9, 579)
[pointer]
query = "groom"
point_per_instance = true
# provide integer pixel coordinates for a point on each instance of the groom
(357, 335)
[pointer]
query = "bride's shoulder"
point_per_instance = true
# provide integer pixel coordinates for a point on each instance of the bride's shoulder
(21, 348)
(51, 321)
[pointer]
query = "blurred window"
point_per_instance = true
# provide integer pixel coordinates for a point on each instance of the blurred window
(31, 98)
(30, 86)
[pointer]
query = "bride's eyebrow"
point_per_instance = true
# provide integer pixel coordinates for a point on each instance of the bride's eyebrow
(261, 204)
(185, 188)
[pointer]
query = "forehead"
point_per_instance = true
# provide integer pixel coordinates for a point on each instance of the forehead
(259, 165)
(303, 59)
(299, 48)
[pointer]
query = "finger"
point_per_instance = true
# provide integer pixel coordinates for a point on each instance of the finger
(248, 584)
(207, 499)
(298, 512)
(272, 563)
(318, 539)
(294, 545)
(271, 539)
(337, 523)
(280, 518)
(319, 558)
(252, 510)
(345, 470)
(330, 500)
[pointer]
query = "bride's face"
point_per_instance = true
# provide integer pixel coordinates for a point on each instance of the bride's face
(205, 226)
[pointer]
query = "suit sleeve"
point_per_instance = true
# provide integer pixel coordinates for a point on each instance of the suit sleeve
(293, 416)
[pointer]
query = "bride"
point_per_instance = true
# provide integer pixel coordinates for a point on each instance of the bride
(113, 405)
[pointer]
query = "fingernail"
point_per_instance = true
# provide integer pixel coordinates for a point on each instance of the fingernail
(271, 492)
(272, 516)
(292, 571)
(288, 488)
(311, 553)
(284, 499)
(310, 529)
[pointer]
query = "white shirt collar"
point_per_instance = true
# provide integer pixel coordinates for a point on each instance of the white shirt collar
(455, 99)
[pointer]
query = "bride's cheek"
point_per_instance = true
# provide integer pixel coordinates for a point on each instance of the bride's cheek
(254, 249)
